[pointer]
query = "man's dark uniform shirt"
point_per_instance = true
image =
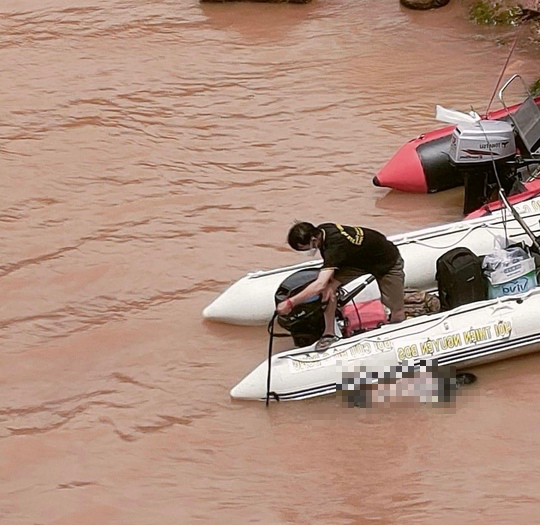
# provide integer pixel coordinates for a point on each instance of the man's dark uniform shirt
(354, 247)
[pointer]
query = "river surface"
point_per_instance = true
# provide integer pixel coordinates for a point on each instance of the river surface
(152, 152)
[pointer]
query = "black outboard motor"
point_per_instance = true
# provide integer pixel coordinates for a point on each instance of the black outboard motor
(481, 151)
(306, 321)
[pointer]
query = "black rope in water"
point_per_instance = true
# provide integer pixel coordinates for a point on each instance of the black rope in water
(268, 376)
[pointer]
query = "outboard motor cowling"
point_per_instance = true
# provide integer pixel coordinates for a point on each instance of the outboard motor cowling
(481, 151)
(306, 321)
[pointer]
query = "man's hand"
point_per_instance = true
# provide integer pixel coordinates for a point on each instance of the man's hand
(328, 295)
(284, 307)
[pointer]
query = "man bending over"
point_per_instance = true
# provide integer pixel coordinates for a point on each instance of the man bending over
(348, 252)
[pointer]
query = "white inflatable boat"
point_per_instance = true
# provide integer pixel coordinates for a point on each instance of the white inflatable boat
(250, 301)
(468, 335)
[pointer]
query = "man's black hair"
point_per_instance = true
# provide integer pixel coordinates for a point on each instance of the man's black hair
(301, 234)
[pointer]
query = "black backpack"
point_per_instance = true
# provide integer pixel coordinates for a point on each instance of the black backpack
(460, 279)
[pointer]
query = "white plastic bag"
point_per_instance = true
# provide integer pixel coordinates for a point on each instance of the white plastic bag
(501, 258)
(504, 265)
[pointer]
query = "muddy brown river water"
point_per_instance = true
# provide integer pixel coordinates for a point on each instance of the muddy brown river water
(151, 153)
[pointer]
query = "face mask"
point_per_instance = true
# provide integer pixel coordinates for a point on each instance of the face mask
(312, 252)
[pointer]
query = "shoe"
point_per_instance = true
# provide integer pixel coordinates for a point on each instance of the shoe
(325, 342)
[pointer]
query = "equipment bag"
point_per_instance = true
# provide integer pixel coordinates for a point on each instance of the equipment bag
(419, 303)
(460, 279)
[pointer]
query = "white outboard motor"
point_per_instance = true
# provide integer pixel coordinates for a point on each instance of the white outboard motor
(481, 151)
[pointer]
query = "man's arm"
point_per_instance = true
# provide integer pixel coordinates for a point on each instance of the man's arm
(314, 288)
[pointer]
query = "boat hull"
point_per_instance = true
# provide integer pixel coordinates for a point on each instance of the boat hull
(464, 337)
(422, 165)
(250, 301)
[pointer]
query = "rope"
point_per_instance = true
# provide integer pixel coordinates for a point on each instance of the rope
(268, 377)
(448, 246)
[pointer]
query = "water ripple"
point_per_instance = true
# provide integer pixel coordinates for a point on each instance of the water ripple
(153, 152)
(81, 317)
